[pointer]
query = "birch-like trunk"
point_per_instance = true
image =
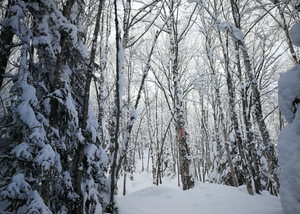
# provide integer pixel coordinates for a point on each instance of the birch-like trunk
(234, 118)
(286, 32)
(270, 150)
(253, 160)
(184, 154)
(218, 110)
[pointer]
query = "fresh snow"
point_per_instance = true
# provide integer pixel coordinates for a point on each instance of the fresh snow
(133, 114)
(289, 140)
(145, 198)
(288, 92)
(288, 157)
(294, 34)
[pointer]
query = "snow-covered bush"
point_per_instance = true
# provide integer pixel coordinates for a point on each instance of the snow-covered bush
(289, 138)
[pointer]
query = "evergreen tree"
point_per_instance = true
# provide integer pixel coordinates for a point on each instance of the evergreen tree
(48, 113)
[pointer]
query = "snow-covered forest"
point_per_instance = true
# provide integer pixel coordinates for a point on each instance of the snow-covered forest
(97, 93)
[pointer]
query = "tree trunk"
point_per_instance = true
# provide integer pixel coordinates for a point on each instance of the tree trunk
(287, 35)
(184, 154)
(103, 63)
(85, 111)
(54, 116)
(151, 153)
(6, 38)
(253, 160)
(125, 175)
(117, 110)
(234, 119)
(270, 151)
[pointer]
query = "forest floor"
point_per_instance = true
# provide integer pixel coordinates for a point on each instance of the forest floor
(142, 197)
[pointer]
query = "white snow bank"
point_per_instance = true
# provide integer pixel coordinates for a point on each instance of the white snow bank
(294, 34)
(288, 91)
(289, 159)
(204, 198)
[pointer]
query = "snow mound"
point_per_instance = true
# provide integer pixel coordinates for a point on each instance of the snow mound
(288, 92)
(204, 198)
(294, 34)
(288, 157)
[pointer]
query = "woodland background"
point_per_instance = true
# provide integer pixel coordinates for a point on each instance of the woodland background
(88, 87)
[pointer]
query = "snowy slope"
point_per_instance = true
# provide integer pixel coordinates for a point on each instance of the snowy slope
(145, 198)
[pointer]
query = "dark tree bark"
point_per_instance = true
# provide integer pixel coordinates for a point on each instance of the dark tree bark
(53, 119)
(54, 115)
(6, 38)
(85, 111)
(118, 158)
(253, 160)
(286, 31)
(234, 119)
(270, 150)
(184, 153)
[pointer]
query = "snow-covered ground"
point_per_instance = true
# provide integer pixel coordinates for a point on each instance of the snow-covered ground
(144, 198)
